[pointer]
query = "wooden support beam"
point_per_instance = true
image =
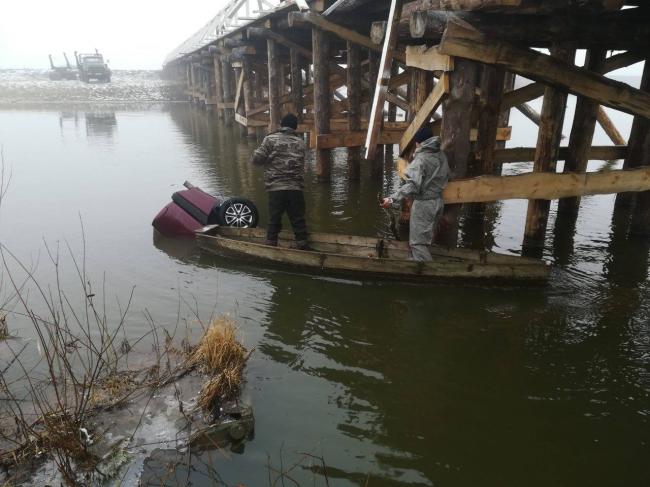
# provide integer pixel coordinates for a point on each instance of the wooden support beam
(398, 80)
(381, 87)
(459, 40)
(386, 136)
(322, 98)
(428, 58)
(582, 132)
(354, 107)
(433, 101)
(247, 88)
(535, 90)
(296, 84)
(527, 154)
(455, 134)
(519, 6)
(546, 155)
(302, 18)
(639, 154)
(218, 90)
(227, 82)
(608, 126)
(492, 80)
(274, 85)
(239, 92)
(546, 186)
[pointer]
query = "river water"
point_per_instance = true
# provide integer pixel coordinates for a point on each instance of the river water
(451, 384)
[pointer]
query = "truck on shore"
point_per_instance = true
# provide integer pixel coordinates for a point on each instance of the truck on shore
(92, 66)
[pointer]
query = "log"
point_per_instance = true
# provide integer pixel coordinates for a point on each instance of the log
(608, 126)
(461, 41)
(527, 154)
(455, 135)
(433, 101)
(322, 98)
(620, 31)
(639, 153)
(546, 155)
(378, 31)
(381, 86)
(303, 18)
(247, 71)
(274, 85)
(530, 113)
(535, 90)
(218, 90)
(545, 186)
(387, 136)
(227, 83)
(492, 81)
(296, 84)
(582, 132)
(519, 6)
(354, 108)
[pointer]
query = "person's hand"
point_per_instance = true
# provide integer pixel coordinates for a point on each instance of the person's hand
(386, 202)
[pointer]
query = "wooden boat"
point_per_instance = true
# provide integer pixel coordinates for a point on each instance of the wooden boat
(368, 257)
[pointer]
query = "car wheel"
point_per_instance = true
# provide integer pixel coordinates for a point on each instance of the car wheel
(238, 212)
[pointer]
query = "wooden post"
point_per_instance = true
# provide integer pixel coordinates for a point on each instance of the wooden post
(376, 168)
(274, 85)
(228, 84)
(489, 104)
(582, 132)
(638, 155)
(248, 93)
(455, 135)
(218, 85)
(354, 107)
(322, 98)
(392, 109)
(546, 155)
(296, 84)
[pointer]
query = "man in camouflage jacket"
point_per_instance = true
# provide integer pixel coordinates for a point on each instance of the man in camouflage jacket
(424, 180)
(282, 154)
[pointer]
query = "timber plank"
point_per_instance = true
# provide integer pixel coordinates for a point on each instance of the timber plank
(423, 116)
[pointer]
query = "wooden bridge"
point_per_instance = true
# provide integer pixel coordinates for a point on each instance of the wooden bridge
(366, 73)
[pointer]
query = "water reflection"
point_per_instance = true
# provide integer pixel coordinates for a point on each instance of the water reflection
(101, 125)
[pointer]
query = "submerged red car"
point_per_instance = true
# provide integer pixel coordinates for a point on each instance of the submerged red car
(193, 208)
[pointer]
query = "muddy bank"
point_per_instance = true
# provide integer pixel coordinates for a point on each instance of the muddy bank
(32, 87)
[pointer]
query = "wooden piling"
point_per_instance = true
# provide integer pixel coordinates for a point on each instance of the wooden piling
(322, 98)
(296, 84)
(228, 86)
(218, 89)
(248, 93)
(274, 84)
(638, 155)
(455, 134)
(354, 107)
(546, 155)
(582, 132)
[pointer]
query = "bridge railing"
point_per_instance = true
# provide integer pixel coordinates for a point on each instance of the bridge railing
(235, 14)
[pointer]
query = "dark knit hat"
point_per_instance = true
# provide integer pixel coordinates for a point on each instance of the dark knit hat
(423, 134)
(289, 120)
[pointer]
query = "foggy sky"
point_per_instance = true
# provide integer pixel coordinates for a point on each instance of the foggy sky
(134, 34)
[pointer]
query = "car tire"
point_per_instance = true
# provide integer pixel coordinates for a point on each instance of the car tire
(238, 212)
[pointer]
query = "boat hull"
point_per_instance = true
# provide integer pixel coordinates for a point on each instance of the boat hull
(369, 257)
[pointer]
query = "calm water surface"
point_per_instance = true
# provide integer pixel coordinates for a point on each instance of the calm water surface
(446, 384)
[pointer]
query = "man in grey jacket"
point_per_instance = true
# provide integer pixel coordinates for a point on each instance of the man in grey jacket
(424, 180)
(282, 154)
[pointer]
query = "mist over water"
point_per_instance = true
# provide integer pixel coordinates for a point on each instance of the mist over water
(458, 384)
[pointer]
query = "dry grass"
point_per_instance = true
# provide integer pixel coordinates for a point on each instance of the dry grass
(221, 355)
